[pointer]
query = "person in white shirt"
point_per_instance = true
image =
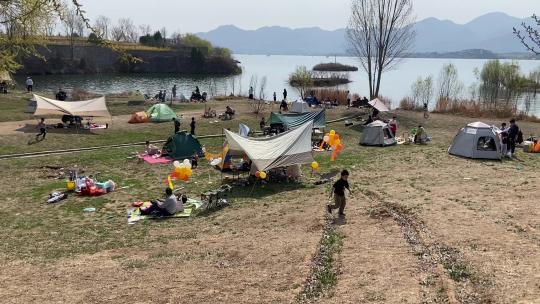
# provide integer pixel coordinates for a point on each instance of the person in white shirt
(29, 84)
(167, 207)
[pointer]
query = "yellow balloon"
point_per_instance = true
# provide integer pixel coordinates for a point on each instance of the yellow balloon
(263, 175)
(315, 165)
(332, 132)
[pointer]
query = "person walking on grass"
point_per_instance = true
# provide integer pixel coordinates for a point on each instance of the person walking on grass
(42, 127)
(512, 137)
(176, 125)
(192, 126)
(29, 84)
(338, 190)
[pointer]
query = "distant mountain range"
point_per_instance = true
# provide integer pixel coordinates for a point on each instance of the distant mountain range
(491, 32)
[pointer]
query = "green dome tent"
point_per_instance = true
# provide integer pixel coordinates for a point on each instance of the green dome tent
(182, 145)
(161, 113)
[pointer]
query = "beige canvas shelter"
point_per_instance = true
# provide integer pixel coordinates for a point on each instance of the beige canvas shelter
(88, 108)
(287, 149)
(379, 105)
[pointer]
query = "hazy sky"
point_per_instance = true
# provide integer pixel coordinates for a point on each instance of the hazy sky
(204, 15)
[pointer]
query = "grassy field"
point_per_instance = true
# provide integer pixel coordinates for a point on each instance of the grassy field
(422, 226)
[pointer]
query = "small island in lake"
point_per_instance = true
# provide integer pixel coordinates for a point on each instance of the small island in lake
(331, 74)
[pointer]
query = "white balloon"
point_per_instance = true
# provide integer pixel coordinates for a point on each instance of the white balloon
(176, 163)
(186, 162)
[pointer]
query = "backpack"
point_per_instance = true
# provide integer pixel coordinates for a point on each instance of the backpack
(519, 138)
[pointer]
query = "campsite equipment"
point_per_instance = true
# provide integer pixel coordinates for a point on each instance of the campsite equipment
(157, 113)
(139, 117)
(161, 113)
(182, 171)
(70, 185)
(333, 140)
(379, 105)
(477, 140)
(294, 120)
(89, 108)
(377, 133)
(289, 148)
(55, 197)
(183, 145)
(299, 107)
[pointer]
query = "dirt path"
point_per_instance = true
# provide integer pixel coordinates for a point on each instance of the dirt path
(376, 264)
(16, 127)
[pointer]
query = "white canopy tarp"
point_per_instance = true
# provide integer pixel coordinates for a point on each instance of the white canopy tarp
(287, 149)
(379, 105)
(88, 108)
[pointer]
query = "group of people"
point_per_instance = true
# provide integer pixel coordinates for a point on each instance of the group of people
(192, 125)
(197, 96)
(510, 135)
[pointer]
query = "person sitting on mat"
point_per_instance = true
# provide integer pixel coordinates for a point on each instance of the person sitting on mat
(167, 207)
(151, 149)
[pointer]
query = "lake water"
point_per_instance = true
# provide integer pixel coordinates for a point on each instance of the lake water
(396, 83)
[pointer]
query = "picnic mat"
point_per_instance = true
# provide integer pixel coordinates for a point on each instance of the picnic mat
(189, 208)
(156, 160)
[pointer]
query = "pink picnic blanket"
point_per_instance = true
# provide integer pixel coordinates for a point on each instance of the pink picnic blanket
(156, 160)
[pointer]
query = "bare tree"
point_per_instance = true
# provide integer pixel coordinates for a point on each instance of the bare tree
(145, 29)
(125, 31)
(449, 85)
(163, 32)
(129, 29)
(232, 81)
(422, 92)
(380, 32)
(262, 88)
(117, 33)
(102, 27)
(73, 26)
(253, 83)
(530, 38)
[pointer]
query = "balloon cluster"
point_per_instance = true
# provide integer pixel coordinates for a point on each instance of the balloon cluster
(261, 174)
(333, 140)
(182, 171)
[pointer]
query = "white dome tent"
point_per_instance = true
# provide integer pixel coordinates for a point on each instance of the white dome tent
(477, 140)
(377, 133)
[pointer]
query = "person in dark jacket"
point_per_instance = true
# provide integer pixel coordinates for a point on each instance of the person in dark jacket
(284, 94)
(192, 126)
(61, 95)
(176, 125)
(338, 190)
(512, 137)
